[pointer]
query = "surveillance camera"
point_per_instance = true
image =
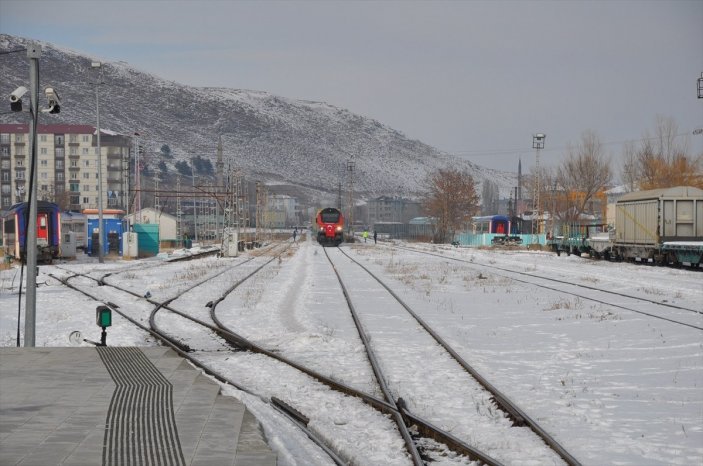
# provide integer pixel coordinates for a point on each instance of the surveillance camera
(54, 101)
(17, 94)
(52, 95)
(16, 99)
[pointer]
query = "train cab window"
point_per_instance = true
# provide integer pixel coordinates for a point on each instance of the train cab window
(42, 223)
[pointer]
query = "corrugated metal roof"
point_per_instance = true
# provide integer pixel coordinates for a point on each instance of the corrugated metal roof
(675, 192)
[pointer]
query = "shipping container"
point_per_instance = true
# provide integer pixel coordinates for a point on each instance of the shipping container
(660, 215)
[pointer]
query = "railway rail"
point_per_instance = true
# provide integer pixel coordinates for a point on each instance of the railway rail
(516, 415)
(682, 315)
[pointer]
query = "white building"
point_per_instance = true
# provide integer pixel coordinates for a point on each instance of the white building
(167, 223)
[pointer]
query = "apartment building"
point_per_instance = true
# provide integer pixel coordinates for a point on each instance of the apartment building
(391, 209)
(67, 167)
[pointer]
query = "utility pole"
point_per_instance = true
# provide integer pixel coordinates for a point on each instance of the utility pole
(178, 209)
(195, 209)
(350, 169)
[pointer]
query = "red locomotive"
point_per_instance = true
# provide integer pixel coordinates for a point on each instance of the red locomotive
(330, 226)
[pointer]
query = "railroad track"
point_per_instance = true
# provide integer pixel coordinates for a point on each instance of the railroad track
(221, 337)
(669, 312)
(378, 327)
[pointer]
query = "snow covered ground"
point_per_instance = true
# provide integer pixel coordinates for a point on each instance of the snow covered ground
(611, 385)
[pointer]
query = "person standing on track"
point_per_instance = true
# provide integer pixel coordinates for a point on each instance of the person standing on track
(295, 233)
(375, 236)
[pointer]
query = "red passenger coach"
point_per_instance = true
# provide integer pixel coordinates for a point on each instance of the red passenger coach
(330, 226)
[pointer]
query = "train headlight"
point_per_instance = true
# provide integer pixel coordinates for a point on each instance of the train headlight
(339, 228)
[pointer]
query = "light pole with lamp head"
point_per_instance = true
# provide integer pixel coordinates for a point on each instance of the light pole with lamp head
(97, 66)
(538, 144)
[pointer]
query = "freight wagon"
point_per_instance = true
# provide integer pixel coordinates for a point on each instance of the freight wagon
(662, 226)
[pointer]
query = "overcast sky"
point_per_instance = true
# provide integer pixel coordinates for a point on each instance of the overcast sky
(477, 79)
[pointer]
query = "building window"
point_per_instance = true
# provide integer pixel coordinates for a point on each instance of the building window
(73, 138)
(19, 151)
(59, 164)
(4, 138)
(85, 151)
(86, 187)
(5, 176)
(75, 200)
(73, 150)
(86, 200)
(43, 163)
(86, 163)
(43, 175)
(19, 174)
(58, 140)
(5, 165)
(19, 163)
(42, 137)
(74, 163)
(43, 151)
(5, 150)
(59, 176)
(86, 176)
(74, 187)
(73, 174)
(60, 152)
(86, 138)
(19, 137)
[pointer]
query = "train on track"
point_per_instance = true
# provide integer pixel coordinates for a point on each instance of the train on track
(14, 231)
(506, 230)
(330, 226)
(660, 226)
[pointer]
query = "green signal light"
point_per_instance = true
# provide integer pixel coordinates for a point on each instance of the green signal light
(103, 316)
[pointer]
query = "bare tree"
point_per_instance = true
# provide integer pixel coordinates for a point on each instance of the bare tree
(489, 198)
(663, 160)
(630, 174)
(452, 199)
(584, 174)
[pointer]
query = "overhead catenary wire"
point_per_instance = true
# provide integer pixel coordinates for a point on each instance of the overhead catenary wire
(525, 151)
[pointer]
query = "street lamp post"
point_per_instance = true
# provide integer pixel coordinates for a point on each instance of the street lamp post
(97, 66)
(537, 144)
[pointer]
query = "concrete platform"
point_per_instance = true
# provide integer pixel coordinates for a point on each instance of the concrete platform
(119, 406)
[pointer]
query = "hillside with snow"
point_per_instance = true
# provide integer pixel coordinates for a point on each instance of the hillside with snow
(301, 145)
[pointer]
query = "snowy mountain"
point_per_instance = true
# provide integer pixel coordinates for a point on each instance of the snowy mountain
(301, 146)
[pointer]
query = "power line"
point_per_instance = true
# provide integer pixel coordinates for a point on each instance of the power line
(523, 151)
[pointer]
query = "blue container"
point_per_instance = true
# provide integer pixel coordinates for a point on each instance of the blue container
(112, 236)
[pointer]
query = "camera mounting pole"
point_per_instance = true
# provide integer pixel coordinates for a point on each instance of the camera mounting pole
(33, 53)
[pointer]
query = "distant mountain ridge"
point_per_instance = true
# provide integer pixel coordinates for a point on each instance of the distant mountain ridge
(301, 145)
